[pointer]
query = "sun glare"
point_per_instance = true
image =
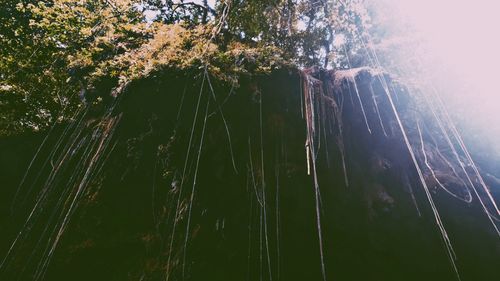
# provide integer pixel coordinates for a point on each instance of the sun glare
(462, 48)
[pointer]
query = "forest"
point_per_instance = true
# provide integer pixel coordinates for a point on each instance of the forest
(235, 140)
(57, 54)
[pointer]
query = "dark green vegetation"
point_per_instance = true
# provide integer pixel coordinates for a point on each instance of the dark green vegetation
(190, 178)
(52, 52)
(188, 146)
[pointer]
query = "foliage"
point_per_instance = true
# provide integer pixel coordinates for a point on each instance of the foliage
(55, 52)
(48, 46)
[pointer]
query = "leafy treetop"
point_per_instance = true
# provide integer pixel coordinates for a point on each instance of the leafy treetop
(51, 50)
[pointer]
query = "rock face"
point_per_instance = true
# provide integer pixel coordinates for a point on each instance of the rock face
(296, 175)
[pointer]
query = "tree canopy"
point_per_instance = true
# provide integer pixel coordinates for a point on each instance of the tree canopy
(54, 52)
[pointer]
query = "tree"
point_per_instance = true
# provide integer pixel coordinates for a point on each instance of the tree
(51, 50)
(48, 46)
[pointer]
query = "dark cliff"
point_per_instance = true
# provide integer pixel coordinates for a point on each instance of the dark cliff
(295, 175)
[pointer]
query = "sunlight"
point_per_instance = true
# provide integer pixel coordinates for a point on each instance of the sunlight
(462, 43)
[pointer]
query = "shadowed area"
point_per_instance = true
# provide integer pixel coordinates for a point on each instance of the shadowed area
(295, 175)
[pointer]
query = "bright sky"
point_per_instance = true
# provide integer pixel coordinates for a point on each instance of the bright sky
(463, 39)
(150, 15)
(211, 3)
(459, 31)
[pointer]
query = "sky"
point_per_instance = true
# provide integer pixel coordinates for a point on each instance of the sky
(150, 15)
(462, 42)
